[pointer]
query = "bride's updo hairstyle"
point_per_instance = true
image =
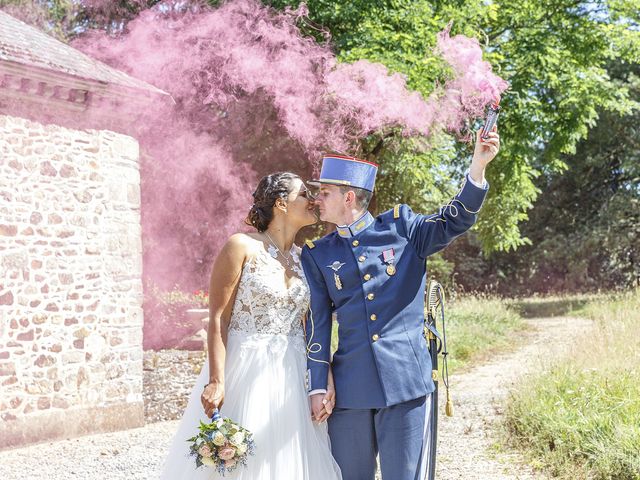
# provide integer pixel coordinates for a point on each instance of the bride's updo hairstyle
(269, 189)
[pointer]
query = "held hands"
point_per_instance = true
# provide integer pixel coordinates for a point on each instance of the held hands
(212, 397)
(484, 152)
(322, 404)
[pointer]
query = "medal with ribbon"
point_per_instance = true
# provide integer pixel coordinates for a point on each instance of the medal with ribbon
(388, 256)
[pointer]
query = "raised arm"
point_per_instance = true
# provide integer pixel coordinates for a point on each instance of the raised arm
(430, 233)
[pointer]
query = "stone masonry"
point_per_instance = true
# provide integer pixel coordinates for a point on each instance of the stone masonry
(70, 282)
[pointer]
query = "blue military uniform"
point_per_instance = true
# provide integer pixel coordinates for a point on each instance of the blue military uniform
(371, 275)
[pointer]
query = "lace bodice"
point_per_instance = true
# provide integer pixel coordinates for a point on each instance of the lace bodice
(263, 302)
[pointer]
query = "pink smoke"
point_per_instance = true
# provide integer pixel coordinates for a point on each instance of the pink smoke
(252, 96)
(474, 85)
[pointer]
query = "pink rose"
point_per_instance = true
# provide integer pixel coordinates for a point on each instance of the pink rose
(205, 451)
(227, 453)
(230, 463)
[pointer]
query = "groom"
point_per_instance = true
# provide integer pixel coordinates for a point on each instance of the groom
(371, 274)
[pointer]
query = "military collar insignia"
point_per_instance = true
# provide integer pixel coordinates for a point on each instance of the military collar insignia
(356, 227)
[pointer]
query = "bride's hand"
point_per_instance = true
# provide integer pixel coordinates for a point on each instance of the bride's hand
(212, 397)
(329, 400)
(330, 397)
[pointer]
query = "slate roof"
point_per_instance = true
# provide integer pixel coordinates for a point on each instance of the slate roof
(23, 44)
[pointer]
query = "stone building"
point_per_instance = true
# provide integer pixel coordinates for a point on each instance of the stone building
(70, 241)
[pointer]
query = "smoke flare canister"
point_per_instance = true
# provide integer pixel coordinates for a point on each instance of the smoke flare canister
(491, 119)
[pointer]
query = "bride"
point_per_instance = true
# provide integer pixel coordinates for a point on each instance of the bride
(256, 365)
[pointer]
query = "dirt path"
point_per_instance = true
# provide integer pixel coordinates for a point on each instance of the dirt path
(466, 441)
(466, 447)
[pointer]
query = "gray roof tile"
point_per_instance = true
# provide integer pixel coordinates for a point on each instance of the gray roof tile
(24, 44)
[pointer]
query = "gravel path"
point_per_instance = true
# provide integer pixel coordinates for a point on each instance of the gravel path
(134, 454)
(466, 441)
(466, 446)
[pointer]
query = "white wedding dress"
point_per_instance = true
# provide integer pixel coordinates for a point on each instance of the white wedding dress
(264, 384)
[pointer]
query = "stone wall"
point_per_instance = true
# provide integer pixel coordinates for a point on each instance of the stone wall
(169, 377)
(70, 282)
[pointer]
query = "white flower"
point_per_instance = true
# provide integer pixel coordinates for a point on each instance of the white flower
(242, 449)
(237, 438)
(219, 439)
(208, 461)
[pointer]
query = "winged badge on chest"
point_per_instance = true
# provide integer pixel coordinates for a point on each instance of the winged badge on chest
(336, 266)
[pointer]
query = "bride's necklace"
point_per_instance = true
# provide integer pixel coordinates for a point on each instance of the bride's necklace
(274, 251)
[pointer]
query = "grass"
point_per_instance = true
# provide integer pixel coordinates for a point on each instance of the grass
(477, 327)
(553, 305)
(581, 418)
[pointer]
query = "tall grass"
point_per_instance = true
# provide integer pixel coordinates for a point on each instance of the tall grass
(581, 418)
(476, 328)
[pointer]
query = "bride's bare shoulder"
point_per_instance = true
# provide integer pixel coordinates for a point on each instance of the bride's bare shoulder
(245, 239)
(243, 243)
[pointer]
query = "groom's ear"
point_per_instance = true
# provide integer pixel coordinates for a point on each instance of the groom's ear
(350, 198)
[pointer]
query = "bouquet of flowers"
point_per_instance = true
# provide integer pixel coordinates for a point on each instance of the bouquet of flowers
(222, 444)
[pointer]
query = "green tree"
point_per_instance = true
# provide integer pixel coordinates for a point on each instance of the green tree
(56, 17)
(553, 52)
(585, 226)
(66, 19)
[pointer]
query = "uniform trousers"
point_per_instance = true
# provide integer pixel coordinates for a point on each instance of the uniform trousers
(399, 434)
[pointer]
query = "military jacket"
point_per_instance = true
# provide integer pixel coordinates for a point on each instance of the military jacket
(371, 276)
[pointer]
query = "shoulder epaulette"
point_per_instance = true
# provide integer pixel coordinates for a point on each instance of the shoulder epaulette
(396, 211)
(310, 244)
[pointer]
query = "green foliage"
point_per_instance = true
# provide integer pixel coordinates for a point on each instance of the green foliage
(585, 227)
(65, 19)
(581, 419)
(573, 70)
(553, 52)
(478, 327)
(56, 17)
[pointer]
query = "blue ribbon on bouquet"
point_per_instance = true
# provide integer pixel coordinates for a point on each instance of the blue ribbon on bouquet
(214, 417)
